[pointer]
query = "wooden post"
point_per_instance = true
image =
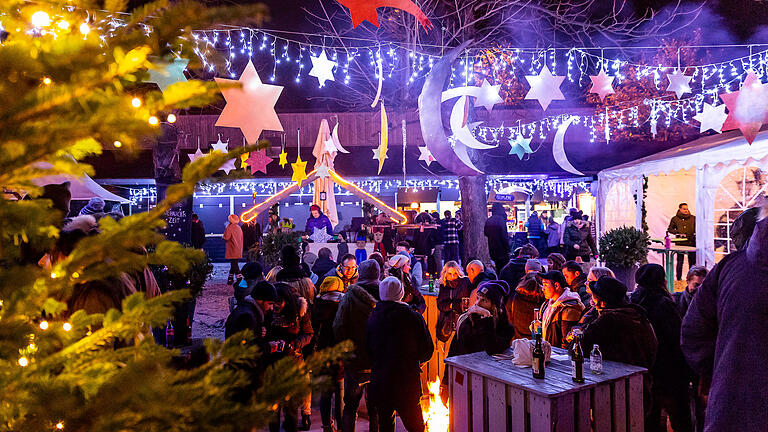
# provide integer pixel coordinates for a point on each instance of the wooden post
(474, 213)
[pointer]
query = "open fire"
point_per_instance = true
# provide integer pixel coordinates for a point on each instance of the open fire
(435, 413)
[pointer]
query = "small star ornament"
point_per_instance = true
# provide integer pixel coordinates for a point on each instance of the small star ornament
(426, 155)
(196, 155)
(489, 95)
(299, 170)
(748, 107)
(322, 68)
(222, 147)
(322, 171)
(602, 84)
(168, 73)
(258, 161)
(711, 117)
(320, 235)
(545, 87)
(283, 159)
(520, 146)
(679, 83)
(379, 153)
(228, 166)
(239, 111)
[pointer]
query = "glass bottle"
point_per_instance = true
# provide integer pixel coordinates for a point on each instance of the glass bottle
(169, 334)
(596, 360)
(535, 325)
(577, 361)
(537, 359)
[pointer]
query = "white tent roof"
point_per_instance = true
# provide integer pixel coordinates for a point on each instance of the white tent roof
(721, 148)
(82, 187)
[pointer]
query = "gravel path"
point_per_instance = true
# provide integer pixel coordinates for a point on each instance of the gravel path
(212, 306)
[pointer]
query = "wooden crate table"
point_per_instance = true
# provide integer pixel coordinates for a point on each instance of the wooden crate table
(488, 394)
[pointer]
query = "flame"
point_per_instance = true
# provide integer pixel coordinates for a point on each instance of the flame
(435, 413)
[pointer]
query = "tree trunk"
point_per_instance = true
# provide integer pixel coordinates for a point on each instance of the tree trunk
(474, 213)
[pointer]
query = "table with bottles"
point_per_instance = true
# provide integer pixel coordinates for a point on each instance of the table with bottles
(490, 393)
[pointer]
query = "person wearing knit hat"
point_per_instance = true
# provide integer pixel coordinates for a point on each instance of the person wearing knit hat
(369, 271)
(233, 238)
(398, 342)
(609, 291)
(95, 205)
(317, 220)
(561, 311)
(555, 261)
(332, 284)
(532, 265)
(400, 267)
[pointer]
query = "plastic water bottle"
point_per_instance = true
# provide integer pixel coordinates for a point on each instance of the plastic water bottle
(596, 360)
(667, 241)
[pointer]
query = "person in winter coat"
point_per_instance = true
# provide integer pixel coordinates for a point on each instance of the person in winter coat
(723, 336)
(577, 281)
(95, 206)
(498, 238)
(621, 329)
(323, 313)
(684, 224)
(233, 237)
(514, 271)
(555, 261)
(451, 228)
(295, 275)
(578, 241)
(400, 267)
(693, 281)
(452, 300)
(350, 324)
(198, 232)
(251, 235)
(553, 237)
(346, 270)
(561, 311)
(292, 330)
(670, 373)
(323, 265)
(536, 229)
(520, 306)
(398, 343)
(317, 220)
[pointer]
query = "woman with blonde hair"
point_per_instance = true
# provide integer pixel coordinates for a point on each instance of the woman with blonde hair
(453, 299)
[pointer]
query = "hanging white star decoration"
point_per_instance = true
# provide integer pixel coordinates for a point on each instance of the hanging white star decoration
(380, 153)
(320, 235)
(426, 155)
(322, 68)
(222, 147)
(322, 171)
(602, 84)
(679, 83)
(488, 96)
(196, 155)
(545, 87)
(711, 117)
(168, 73)
(520, 146)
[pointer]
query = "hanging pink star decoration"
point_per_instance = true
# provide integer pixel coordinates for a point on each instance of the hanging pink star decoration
(258, 161)
(250, 107)
(602, 84)
(747, 108)
(365, 10)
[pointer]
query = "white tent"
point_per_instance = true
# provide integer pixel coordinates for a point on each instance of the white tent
(82, 187)
(718, 176)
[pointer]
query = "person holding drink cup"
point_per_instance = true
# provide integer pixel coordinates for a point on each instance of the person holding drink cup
(453, 299)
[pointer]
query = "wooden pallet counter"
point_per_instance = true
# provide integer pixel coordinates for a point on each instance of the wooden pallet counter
(488, 394)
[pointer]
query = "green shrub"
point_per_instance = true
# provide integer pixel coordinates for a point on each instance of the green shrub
(624, 247)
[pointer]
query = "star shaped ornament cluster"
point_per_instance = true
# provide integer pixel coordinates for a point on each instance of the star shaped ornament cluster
(545, 87)
(711, 117)
(602, 84)
(250, 107)
(320, 235)
(322, 68)
(520, 146)
(679, 83)
(748, 107)
(168, 73)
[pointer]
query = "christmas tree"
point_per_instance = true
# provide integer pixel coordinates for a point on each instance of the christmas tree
(72, 74)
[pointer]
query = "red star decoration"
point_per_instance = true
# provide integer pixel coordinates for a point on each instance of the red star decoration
(365, 10)
(747, 108)
(258, 161)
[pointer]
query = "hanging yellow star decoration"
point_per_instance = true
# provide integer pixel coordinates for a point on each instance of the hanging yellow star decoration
(283, 159)
(299, 170)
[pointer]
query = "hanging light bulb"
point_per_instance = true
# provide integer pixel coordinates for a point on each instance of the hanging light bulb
(66, 326)
(153, 120)
(47, 81)
(43, 325)
(40, 19)
(171, 118)
(117, 144)
(136, 102)
(84, 29)
(23, 361)
(60, 425)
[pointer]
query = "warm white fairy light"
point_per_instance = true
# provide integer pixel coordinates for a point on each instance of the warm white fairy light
(153, 121)
(171, 118)
(40, 19)
(136, 102)
(43, 325)
(66, 326)
(23, 361)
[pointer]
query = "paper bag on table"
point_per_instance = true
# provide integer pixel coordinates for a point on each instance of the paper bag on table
(523, 349)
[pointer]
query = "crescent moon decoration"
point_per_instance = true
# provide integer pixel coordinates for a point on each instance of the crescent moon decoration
(381, 82)
(462, 133)
(335, 138)
(454, 159)
(558, 148)
(365, 10)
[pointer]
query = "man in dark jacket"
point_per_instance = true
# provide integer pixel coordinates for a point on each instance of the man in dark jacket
(621, 329)
(514, 271)
(350, 324)
(398, 342)
(477, 274)
(561, 311)
(198, 232)
(498, 237)
(577, 281)
(535, 228)
(251, 236)
(684, 224)
(670, 373)
(723, 336)
(693, 281)
(323, 264)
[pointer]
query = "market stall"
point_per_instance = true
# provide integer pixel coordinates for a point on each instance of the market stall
(717, 176)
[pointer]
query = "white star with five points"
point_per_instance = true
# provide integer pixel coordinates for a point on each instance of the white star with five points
(322, 68)
(426, 155)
